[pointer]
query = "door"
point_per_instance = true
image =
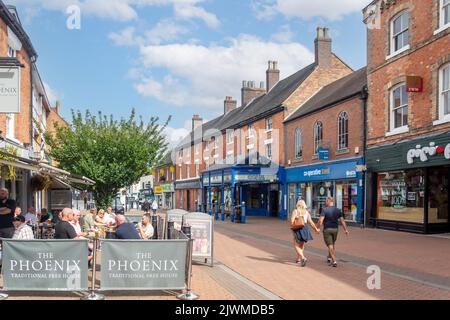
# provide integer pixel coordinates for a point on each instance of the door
(274, 208)
(438, 210)
(188, 200)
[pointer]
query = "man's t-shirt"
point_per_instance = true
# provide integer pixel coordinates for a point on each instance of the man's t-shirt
(127, 231)
(6, 221)
(64, 230)
(332, 216)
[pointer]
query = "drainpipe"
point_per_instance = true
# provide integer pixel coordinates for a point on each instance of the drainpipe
(364, 97)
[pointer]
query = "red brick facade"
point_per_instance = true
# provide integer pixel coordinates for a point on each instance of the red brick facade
(329, 118)
(428, 52)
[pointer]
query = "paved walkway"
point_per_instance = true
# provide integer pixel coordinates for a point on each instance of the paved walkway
(413, 266)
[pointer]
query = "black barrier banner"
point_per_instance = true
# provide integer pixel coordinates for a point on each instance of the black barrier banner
(45, 265)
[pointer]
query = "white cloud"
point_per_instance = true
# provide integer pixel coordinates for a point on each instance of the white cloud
(307, 9)
(165, 30)
(190, 11)
(174, 135)
(126, 37)
(284, 35)
(201, 76)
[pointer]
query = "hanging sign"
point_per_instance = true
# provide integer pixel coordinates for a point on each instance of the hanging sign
(9, 89)
(414, 84)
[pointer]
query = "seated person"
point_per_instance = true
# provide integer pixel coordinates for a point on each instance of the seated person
(23, 231)
(125, 230)
(145, 228)
(63, 229)
(45, 216)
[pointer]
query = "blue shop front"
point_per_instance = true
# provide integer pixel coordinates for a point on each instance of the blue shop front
(342, 180)
(229, 189)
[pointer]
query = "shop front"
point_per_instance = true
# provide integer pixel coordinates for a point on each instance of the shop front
(168, 196)
(258, 189)
(188, 194)
(342, 180)
(409, 185)
(158, 195)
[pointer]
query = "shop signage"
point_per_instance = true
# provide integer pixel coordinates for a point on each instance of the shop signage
(216, 179)
(143, 265)
(255, 177)
(423, 153)
(414, 84)
(324, 154)
(227, 178)
(43, 265)
(158, 190)
(9, 89)
(316, 172)
(167, 187)
(202, 233)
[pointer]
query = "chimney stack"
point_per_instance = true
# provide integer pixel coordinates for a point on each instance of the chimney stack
(229, 105)
(57, 106)
(250, 91)
(272, 75)
(197, 121)
(323, 48)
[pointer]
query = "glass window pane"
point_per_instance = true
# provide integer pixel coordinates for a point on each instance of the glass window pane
(446, 78)
(397, 98)
(397, 25)
(405, 116)
(404, 95)
(447, 13)
(398, 118)
(446, 103)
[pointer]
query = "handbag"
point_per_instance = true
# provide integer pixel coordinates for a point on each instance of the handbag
(298, 224)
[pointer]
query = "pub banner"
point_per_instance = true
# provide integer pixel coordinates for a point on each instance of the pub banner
(43, 265)
(143, 265)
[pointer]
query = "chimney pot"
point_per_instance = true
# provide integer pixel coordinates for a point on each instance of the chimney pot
(229, 105)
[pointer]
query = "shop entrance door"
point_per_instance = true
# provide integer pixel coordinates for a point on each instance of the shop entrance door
(274, 209)
(438, 210)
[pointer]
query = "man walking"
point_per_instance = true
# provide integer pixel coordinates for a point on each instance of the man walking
(330, 218)
(7, 209)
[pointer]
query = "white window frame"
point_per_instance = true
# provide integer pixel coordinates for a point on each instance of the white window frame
(251, 131)
(404, 128)
(442, 25)
(443, 118)
(298, 144)
(269, 124)
(341, 132)
(180, 154)
(269, 151)
(392, 36)
(230, 136)
(10, 126)
(11, 52)
(317, 142)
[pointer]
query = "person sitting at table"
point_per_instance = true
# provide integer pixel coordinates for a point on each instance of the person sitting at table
(18, 211)
(89, 221)
(23, 231)
(145, 228)
(30, 217)
(45, 216)
(75, 222)
(63, 229)
(125, 230)
(100, 218)
(109, 217)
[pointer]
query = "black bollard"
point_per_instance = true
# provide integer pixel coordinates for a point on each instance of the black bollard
(155, 226)
(170, 227)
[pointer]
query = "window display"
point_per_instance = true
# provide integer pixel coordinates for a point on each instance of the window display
(346, 198)
(401, 196)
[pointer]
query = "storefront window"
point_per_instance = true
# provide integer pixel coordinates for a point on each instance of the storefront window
(256, 198)
(227, 194)
(401, 196)
(346, 198)
(320, 192)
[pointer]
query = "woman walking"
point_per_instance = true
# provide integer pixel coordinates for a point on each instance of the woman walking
(303, 235)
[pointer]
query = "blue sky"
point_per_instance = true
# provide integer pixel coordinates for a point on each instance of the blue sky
(179, 57)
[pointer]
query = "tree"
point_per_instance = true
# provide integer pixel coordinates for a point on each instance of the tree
(114, 154)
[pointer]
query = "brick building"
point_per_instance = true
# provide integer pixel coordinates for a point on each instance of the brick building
(164, 176)
(238, 157)
(408, 125)
(325, 145)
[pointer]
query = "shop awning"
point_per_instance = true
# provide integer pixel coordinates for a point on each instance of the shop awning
(65, 175)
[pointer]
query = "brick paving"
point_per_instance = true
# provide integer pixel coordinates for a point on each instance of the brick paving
(417, 265)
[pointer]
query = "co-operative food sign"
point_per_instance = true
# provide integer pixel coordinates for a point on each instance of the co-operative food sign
(9, 90)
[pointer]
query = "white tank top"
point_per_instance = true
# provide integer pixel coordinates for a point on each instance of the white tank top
(305, 217)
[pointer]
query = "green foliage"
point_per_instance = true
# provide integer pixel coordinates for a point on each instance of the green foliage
(115, 154)
(10, 172)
